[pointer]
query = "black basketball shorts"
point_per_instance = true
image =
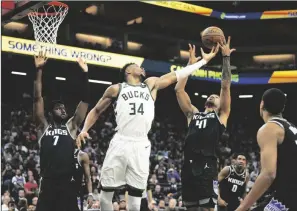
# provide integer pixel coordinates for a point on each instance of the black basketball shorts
(57, 195)
(198, 178)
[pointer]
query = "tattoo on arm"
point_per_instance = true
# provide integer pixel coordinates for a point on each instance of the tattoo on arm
(226, 71)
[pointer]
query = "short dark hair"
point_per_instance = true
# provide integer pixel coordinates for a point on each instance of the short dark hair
(123, 71)
(239, 153)
(54, 103)
(274, 101)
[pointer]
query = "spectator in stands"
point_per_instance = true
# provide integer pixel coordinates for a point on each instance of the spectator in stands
(172, 173)
(22, 204)
(161, 205)
(96, 205)
(173, 186)
(12, 206)
(5, 201)
(18, 180)
(21, 148)
(153, 180)
(157, 194)
(7, 176)
(161, 173)
(172, 205)
(31, 163)
(31, 208)
(34, 201)
(21, 196)
(16, 160)
(31, 189)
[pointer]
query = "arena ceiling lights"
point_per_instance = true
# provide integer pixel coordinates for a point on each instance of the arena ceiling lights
(191, 8)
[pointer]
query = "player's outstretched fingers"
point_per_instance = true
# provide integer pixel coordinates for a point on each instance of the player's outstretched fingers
(88, 136)
(232, 50)
(229, 40)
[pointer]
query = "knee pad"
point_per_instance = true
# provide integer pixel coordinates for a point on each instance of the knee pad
(134, 191)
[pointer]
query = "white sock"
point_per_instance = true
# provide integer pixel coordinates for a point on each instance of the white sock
(106, 201)
(134, 203)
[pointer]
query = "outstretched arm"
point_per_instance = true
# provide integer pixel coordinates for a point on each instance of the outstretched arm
(172, 77)
(225, 96)
(268, 136)
(38, 106)
(183, 98)
(110, 93)
(82, 108)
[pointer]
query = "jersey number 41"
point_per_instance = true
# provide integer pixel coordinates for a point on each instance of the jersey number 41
(201, 123)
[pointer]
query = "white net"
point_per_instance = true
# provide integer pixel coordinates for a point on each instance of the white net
(46, 21)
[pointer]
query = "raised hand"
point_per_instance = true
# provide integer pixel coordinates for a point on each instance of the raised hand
(83, 65)
(81, 138)
(192, 58)
(225, 47)
(211, 54)
(40, 60)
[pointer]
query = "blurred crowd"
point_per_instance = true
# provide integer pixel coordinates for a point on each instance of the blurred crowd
(20, 166)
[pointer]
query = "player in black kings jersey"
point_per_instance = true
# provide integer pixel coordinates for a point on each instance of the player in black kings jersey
(82, 174)
(277, 140)
(205, 130)
(56, 139)
(232, 184)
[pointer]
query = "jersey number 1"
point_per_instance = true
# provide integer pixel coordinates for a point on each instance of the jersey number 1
(56, 140)
(133, 109)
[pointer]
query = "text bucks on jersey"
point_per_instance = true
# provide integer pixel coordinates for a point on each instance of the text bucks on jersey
(134, 110)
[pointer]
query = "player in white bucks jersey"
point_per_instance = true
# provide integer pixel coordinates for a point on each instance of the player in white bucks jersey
(127, 159)
(277, 140)
(56, 139)
(204, 132)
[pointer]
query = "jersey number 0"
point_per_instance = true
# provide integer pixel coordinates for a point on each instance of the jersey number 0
(136, 109)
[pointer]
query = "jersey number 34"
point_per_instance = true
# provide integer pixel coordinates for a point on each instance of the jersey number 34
(136, 108)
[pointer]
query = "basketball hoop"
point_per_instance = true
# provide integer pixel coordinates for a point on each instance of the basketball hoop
(46, 21)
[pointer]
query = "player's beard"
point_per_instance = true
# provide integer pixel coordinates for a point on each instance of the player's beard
(59, 119)
(209, 104)
(240, 168)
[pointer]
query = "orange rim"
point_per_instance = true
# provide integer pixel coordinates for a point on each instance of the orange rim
(53, 3)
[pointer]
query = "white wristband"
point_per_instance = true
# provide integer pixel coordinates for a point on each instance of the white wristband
(91, 194)
(188, 70)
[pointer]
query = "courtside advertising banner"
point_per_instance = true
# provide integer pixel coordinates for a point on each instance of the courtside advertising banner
(67, 53)
(102, 58)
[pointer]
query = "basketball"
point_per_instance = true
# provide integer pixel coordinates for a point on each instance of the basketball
(211, 36)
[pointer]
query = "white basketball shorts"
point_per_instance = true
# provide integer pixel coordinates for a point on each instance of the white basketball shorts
(126, 162)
